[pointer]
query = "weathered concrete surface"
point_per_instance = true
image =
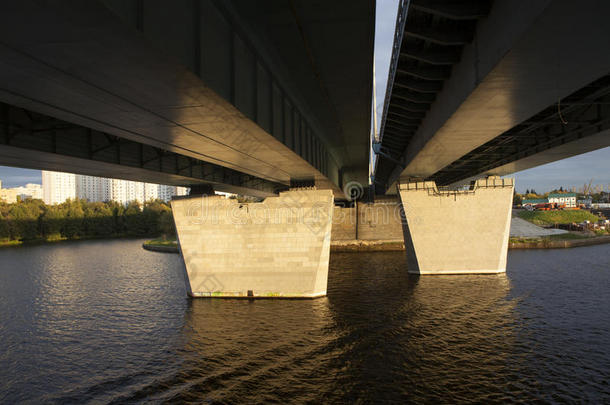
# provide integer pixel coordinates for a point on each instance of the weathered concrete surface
(277, 248)
(449, 232)
(368, 222)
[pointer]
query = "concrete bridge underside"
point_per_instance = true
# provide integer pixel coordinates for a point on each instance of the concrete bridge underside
(485, 88)
(275, 90)
(261, 94)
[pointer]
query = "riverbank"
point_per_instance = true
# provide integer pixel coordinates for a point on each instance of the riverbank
(553, 242)
(338, 246)
(161, 245)
(556, 243)
(170, 246)
(33, 242)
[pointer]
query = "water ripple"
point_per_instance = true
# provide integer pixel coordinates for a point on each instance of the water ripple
(106, 322)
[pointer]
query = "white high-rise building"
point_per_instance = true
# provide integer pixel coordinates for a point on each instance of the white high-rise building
(167, 192)
(103, 189)
(125, 191)
(57, 187)
(93, 188)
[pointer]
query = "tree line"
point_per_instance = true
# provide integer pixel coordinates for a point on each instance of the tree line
(75, 219)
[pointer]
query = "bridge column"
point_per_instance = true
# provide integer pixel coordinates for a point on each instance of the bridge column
(457, 232)
(276, 248)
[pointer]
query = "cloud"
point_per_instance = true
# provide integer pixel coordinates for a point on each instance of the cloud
(15, 177)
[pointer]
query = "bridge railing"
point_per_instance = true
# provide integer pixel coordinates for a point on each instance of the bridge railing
(401, 18)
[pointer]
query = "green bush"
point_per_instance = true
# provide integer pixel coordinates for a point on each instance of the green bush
(74, 219)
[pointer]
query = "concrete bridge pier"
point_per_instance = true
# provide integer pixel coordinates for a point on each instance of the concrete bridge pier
(276, 248)
(458, 231)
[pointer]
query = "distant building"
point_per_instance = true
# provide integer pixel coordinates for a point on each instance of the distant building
(7, 195)
(534, 201)
(93, 189)
(125, 191)
(30, 190)
(57, 187)
(569, 199)
(586, 201)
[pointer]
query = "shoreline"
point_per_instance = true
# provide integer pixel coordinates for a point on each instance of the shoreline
(559, 244)
(346, 246)
(37, 242)
(160, 248)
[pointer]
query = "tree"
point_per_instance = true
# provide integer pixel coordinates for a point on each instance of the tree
(166, 225)
(98, 220)
(32, 219)
(52, 222)
(74, 219)
(23, 218)
(517, 198)
(5, 230)
(134, 225)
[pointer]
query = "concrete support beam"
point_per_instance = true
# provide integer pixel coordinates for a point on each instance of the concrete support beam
(457, 232)
(277, 248)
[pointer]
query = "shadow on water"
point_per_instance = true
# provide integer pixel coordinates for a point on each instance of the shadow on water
(379, 335)
(109, 322)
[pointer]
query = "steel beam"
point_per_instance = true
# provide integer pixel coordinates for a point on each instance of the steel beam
(452, 9)
(36, 132)
(440, 57)
(423, 86)
(440, 34)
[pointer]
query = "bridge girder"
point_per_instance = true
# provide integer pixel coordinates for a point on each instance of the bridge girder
(26, 135)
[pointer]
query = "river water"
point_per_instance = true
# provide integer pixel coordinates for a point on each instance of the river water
(105, 321)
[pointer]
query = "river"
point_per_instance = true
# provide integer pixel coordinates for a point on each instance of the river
(106, 321)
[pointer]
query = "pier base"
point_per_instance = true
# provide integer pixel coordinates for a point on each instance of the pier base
(457, 232)
(276, 248)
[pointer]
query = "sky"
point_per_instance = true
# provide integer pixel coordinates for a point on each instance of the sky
(574, 171)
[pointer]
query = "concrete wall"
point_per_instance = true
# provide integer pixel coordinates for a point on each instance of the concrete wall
(378, 221)
(277, 248)
(457, 232)
(344, 224)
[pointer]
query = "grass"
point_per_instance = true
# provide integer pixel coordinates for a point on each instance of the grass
(557, 217)
(10, 243)
(162, 242)
(59, 238)
(562, 236)
(569, 236)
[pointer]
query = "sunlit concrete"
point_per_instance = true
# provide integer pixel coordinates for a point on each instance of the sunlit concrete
(457, 232)
(277, 248)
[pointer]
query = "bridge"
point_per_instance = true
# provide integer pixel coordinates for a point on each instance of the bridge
(273, 99)
(482, 88)
(243, 96)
